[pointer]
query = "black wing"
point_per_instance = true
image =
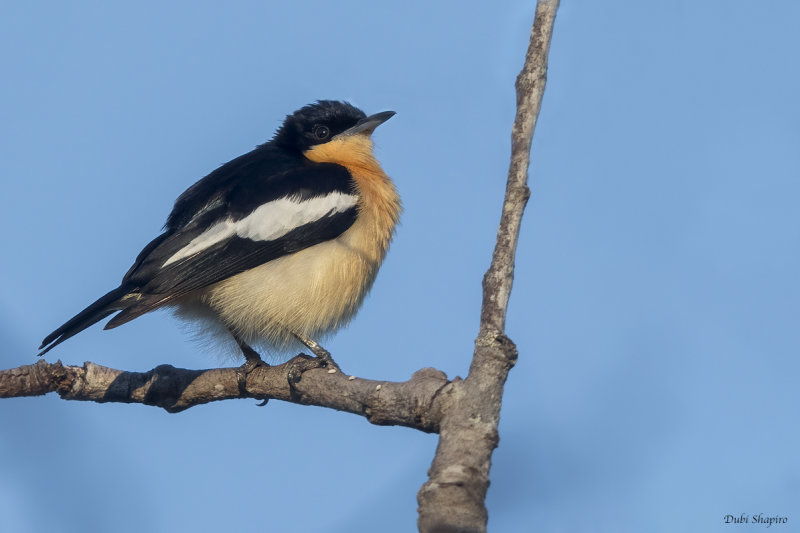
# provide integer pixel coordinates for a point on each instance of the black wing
(229, 233)
(242, 184)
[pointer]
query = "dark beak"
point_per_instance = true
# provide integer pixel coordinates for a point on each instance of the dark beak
(368, 125)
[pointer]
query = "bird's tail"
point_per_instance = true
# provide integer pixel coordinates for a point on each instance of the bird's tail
(100, 309)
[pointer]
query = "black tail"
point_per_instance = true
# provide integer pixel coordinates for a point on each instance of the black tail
(96, 312)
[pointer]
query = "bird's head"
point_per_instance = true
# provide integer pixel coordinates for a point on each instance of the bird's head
(337, 126)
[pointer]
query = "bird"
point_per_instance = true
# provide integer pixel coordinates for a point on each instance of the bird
(279, 245)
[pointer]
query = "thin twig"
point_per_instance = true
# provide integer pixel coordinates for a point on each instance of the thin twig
(453, 498)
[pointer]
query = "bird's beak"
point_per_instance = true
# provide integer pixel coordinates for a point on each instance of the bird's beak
(368, 125)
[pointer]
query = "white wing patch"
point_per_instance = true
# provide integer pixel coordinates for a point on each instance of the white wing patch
(268, 222)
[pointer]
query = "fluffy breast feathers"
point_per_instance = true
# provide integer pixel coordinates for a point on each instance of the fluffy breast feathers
(320, 288)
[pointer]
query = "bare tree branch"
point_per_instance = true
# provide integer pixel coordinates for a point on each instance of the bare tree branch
(453, 497)
(412, 403)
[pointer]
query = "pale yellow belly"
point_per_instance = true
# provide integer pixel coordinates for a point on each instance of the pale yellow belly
(311, 292)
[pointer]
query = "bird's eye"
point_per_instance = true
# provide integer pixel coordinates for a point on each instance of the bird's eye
(321, 132)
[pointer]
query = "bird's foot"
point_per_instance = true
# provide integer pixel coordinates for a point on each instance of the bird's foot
(325, 359)
(302, 363)
(252, 361)
(251, 364)
(323, 356)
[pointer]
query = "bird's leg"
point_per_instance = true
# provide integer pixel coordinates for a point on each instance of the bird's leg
(323, 355)
(252, 361)
(303, 362)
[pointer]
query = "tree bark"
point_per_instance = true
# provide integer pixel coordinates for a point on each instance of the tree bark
(453, 498)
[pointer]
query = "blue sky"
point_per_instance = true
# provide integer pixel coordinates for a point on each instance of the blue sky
(656, 294)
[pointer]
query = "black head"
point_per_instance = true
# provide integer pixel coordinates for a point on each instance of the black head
(316, 124)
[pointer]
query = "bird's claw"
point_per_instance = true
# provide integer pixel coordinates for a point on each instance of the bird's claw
(325, 359)
(243, 371)
(302, 363)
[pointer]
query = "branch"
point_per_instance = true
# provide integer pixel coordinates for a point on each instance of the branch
(453, 497)
(412, 403)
